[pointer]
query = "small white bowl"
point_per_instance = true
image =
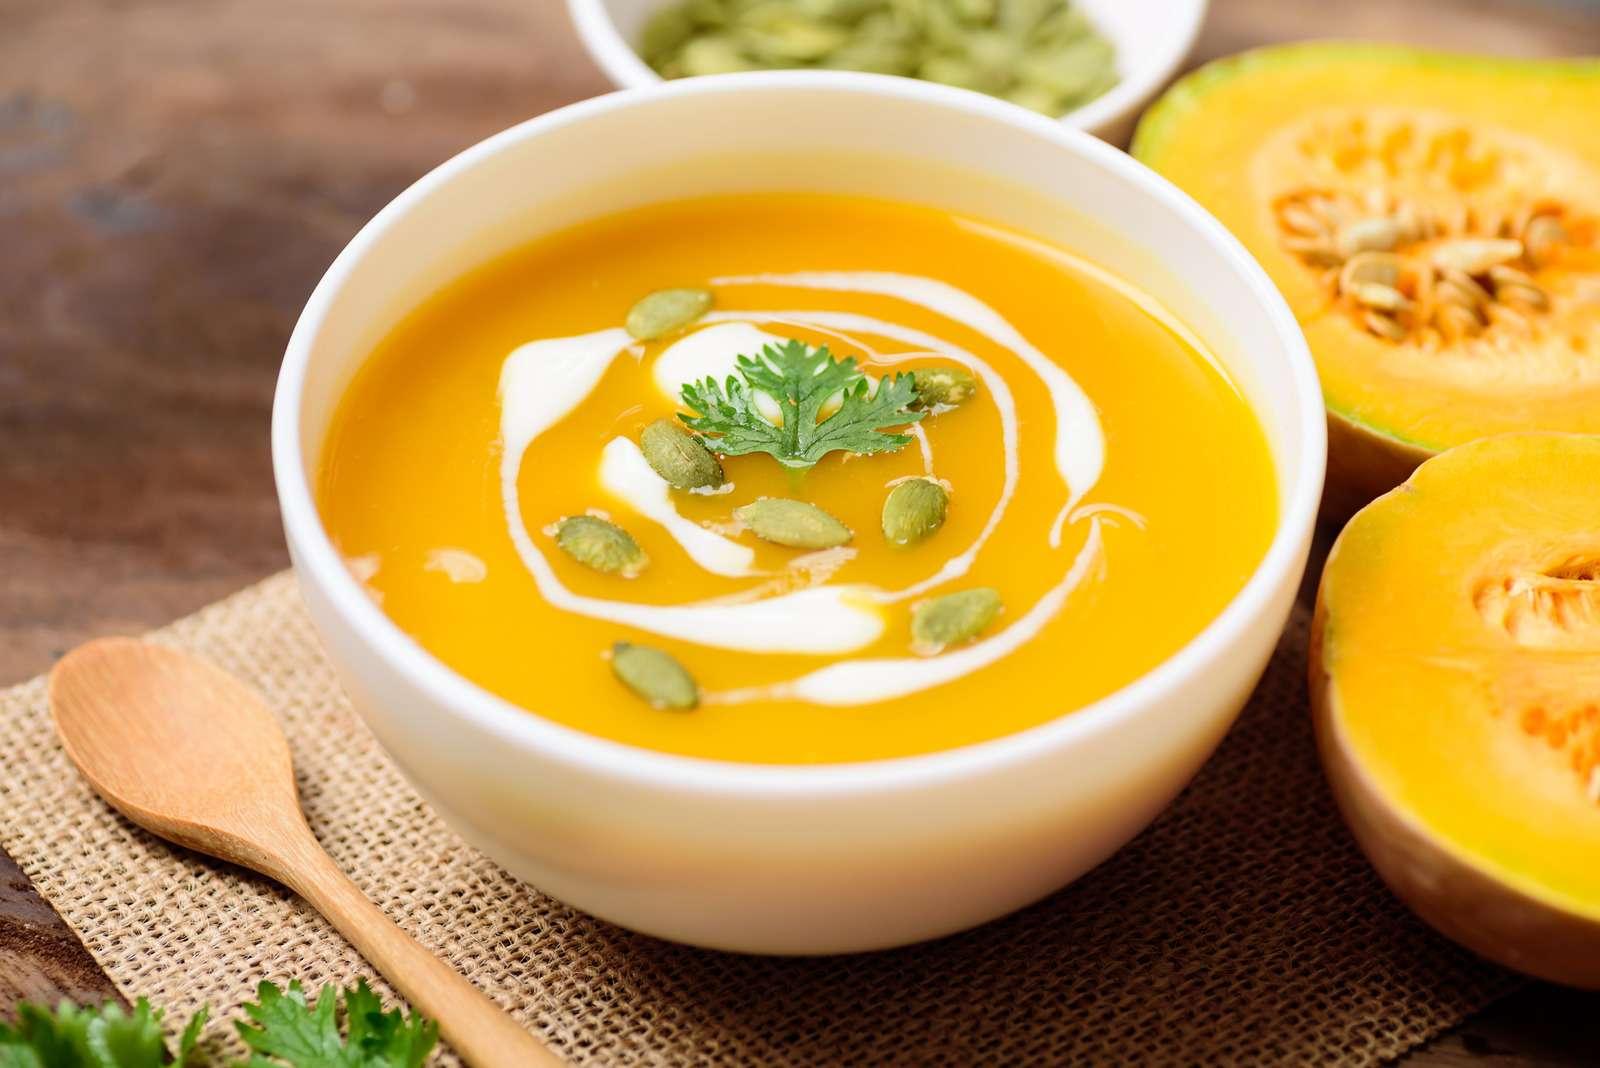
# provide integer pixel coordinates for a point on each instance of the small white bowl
(798, 859)
(1152, 37)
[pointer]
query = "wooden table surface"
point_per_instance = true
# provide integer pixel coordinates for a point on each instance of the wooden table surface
(174, 177)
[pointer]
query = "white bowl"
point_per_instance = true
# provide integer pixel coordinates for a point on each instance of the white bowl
(774, 858)
(1152, 38)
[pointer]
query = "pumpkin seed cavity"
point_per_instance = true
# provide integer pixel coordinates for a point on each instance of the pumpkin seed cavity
(1430, 234)
(1543, 598)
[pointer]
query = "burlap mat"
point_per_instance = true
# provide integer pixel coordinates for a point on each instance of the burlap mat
(1242, 928)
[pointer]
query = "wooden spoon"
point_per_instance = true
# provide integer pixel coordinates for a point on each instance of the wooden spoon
(190, 753)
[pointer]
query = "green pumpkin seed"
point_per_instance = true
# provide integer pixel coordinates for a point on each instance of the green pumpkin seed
(1023, 17)
(973, 11)
(654, 676)
(883, 25)
(1066, 22)
(1071, 68)
(872, 56)
(667, 310)
(715, 54)
(914, 509)
(709, 12)
(942, 27)
(665, 32)
(943, 387)
(995, 55)
(955, 617)
(952, 70)
(1036, 98)
(679, 456)
(787, 41)
(795, 524)
(600, 544)
(849, 11)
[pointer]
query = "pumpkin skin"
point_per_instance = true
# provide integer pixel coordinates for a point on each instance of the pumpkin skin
(1454, 651)
(1475, 148)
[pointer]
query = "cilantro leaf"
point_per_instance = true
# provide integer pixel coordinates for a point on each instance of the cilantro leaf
(801, 379)
(107, 1037)
(289, 1032)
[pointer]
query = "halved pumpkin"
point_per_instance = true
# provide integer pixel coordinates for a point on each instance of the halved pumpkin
(1432, 219)
(1455, 677)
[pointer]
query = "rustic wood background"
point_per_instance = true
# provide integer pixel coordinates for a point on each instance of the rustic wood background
(174, 177)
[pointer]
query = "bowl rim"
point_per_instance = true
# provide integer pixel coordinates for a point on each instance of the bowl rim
(318, 562)
(620, 62)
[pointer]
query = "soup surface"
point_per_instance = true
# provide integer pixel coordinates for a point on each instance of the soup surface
(1104, 483)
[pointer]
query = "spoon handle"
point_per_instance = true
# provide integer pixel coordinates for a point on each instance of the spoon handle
(476, 1027)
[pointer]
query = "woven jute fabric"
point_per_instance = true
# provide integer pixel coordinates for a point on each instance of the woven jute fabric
(1242, 928)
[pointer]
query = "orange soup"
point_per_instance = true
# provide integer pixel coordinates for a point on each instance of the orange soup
(790, 478)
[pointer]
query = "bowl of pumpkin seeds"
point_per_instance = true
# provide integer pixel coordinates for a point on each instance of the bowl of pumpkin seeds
(1092, 63)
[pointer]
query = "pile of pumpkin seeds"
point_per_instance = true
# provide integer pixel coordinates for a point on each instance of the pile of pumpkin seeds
(1042, 54)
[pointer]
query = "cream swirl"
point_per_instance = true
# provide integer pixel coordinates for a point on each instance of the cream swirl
(543, 381)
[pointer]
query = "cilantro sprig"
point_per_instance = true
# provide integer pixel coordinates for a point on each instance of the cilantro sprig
(107, 1037)
(290, 1032)
(285, 1030)
(801, 379)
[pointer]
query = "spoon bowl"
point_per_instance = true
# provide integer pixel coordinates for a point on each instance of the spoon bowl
(180, 747)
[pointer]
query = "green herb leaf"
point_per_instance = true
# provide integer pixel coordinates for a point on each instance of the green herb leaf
(801, 379)
(107, 1037)
(289, 1032)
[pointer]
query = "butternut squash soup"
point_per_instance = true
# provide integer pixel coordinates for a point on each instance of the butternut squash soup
(796, 478)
